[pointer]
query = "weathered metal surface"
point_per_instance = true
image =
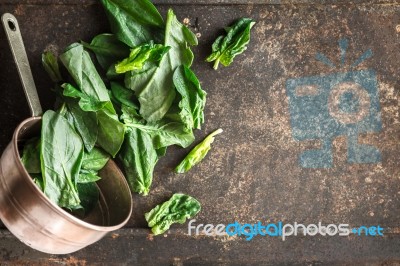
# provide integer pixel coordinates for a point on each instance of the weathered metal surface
(252, 172)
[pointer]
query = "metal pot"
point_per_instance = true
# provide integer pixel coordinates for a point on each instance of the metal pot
(25, 210)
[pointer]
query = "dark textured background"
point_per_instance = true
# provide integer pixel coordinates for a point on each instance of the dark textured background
(252, 171)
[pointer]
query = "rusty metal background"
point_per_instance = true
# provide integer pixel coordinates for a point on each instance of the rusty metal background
(252, 172)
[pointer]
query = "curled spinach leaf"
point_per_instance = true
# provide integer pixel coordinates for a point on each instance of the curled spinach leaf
(193, 97)
(140, 55)
(197, 153)
(176, 210)
(225, 48)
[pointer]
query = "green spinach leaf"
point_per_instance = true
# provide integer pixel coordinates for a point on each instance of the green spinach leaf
(31, 156)
(197, 153)
(111, 132)
(193, 97)
(87, 176)
(108, 49)
(50, 64)
(95, 160)
(176, 210)
(165, 133)
(61, 159)
(134, 22)
(154, 87)
(139, 157)
(225, 48)
(124, 96)
(84, 122)
(81, 68)
(140, 55)
(86, 103)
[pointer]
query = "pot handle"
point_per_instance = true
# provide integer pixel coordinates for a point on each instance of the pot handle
(14, 37)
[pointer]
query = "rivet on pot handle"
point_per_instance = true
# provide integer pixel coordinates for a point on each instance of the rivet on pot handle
(14, 37)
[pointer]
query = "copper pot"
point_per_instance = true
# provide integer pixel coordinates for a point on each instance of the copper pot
(25, 210)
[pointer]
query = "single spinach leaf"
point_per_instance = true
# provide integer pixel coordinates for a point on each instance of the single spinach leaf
(154, 86)
(193, 97)
(176, 210)
(111, 132)
(31, 156)
(139, 157)
(225, 48)
(85, 123)
(134, 22)
(124, 96)
(165, 133)
(61, 159)
(50, 64)
(87, 176)
(197, 153)
(140, 55)
(108, 49)
(81, 68)
(95, 160)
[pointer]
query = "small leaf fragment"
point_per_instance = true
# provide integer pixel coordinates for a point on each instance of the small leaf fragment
(197, 153)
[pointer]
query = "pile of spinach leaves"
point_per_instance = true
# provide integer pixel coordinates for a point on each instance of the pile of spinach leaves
(137, 98)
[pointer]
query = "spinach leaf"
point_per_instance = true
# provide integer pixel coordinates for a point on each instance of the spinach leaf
(95, 160)
(61, 159)
(139, 157)
(197, 153)
(31, 156)
(130, 115)
(225, 48)
(87, 176)
(81, 68)
(154, 87)
(108, 49)
(123, 95)
(140, 55)
(176, 210)
(165, 133)
(134, 22)
(84, 122)
(50, 64)
(193, 97)
(86, 103)
(111, 132)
